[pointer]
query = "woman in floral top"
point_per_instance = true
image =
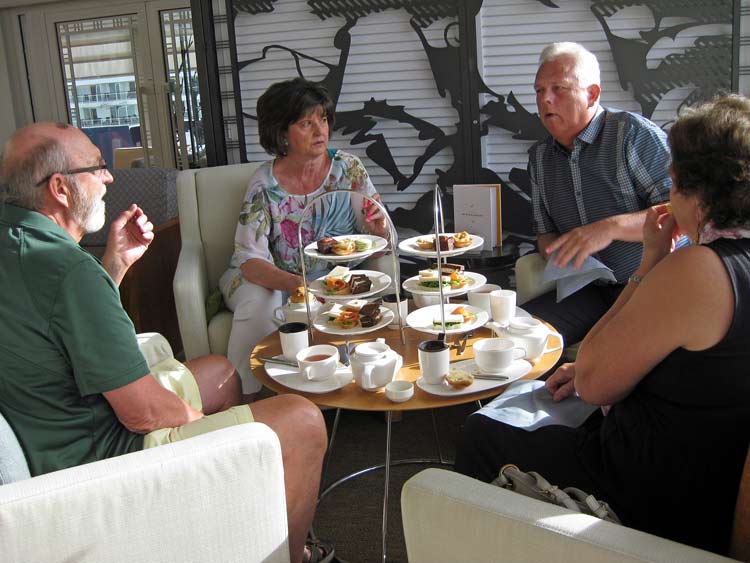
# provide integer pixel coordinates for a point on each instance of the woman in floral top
(294, 120)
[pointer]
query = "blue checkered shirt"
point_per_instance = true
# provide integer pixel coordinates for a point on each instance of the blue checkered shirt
(619, 164)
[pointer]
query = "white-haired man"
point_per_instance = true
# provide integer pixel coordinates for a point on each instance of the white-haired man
(76, 387)
(592, 181)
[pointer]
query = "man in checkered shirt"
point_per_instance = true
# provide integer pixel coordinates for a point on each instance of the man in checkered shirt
(592, 181)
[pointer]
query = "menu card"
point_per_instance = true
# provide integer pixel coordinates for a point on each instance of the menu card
(476, 209)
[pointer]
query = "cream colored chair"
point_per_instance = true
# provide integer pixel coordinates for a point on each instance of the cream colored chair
(216, 497)
(449, 517)
(209, 201)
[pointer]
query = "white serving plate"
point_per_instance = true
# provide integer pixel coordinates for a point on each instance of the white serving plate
(321, 323)
(514, 371)
(380, 282)
(473, 280)
(421, 319)
(378, 244)
(409, 246)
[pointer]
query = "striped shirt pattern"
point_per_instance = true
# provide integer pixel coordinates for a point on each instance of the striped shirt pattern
(619, 164)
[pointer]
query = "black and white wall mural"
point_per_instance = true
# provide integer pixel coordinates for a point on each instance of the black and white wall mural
(441, 92)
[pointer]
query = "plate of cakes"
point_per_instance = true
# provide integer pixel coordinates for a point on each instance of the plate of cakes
(451, 244)
(454, 279)
(341, 283)
(353, 317)
(345, 248)
(458, 319)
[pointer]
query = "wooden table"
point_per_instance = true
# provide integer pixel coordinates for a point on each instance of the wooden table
(353, 397)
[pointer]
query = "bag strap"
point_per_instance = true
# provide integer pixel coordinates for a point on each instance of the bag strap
(533, 485)
(596, 507)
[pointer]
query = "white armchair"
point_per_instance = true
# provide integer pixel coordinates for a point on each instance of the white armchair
(209, 202)
(529, 273)
(216, 497)
(449, 517)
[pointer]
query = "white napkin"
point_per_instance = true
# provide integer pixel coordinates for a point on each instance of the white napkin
(569, 280)
(528, 405)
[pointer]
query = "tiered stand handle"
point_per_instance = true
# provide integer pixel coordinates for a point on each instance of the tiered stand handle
(393, 242)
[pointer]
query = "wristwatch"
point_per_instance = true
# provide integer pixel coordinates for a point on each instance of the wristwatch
(635, 278)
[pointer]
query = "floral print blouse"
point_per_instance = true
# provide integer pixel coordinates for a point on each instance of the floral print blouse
(270, 217)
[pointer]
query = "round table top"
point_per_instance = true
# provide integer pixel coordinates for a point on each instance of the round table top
(353, 397)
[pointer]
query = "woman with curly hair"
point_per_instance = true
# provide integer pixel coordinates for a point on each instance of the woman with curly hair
(670, 357)
(295, 118)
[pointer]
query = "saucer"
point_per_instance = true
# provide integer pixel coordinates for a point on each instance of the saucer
(291, 377)
(516, 369)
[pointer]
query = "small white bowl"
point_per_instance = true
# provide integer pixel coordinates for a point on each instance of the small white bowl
(399, 391)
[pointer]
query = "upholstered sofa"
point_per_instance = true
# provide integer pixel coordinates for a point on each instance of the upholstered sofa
(217, 497)
(449, 517)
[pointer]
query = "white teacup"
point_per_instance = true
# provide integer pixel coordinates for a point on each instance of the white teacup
(531, 335)
(493, 355)
(434, 360)
(503, 305)
(480, 297)
(318, 362)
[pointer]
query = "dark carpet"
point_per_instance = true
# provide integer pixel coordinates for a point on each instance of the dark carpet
(351, 515)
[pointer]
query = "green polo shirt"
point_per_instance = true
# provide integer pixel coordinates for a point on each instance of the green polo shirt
(64, 339)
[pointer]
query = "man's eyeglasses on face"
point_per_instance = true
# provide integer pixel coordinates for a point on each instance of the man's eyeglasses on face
(93, 169)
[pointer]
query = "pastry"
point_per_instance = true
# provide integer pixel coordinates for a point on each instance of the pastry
(459, 378)
(462, 239)
(343, 247)
(359, 283)
(325, 245)
(426, 243)
(446, 242)
(362, 244)
(298, 295)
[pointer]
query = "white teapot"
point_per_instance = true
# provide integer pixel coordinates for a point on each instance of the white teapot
(375, 364)
(531, 335)
(294, 312)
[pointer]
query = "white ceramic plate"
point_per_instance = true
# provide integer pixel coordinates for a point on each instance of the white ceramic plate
(409, 246)
(473, 280)
(292, 378)
(514, 371)
(378, 244)
(321, 323)
(421, 319)
(492, 325)
(380, 282)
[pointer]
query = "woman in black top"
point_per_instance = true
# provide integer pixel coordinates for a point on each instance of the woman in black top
(671, 357)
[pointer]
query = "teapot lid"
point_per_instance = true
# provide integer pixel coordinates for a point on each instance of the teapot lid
(372, 349)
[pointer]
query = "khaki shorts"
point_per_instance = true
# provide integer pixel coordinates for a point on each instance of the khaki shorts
(176, 377)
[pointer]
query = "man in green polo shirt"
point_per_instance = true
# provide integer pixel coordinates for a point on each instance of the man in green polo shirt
(74, 385)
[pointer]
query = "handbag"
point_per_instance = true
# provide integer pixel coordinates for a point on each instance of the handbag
(533, 485)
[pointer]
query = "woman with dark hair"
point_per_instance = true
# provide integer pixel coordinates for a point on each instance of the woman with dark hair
(671, 357)
(294, 122)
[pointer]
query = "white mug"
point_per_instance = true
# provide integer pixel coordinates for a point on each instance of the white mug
(434, 360)
(293, 338)
(389, 301)
(480, 297)
(319, 362)
(503, 305)
(493, 355)
(425, 300)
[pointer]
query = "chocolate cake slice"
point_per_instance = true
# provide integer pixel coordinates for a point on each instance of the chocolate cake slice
(359, 283)
(325, 245)
(369, 315)
(446, 242)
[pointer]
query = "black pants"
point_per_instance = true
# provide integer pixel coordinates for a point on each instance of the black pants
(574, 316)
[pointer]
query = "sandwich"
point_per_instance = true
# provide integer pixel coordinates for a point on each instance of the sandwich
(430, 279)
(447, 268)
(335, 283)
(341, 317)
(454, 272)
(354, 305)
(451, 321)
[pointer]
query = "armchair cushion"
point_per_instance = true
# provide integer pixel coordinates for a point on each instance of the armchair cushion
(13, 466)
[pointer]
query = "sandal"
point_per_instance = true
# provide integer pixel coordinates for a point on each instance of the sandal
(318, 551)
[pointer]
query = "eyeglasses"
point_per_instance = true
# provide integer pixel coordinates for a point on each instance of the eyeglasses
(96, 168)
